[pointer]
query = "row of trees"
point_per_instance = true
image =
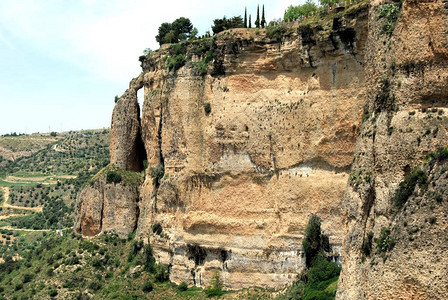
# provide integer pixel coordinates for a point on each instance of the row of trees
(238, 22)
(308, 8)
(182, 29)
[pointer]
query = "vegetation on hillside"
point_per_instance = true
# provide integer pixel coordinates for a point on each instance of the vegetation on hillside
(42, 188)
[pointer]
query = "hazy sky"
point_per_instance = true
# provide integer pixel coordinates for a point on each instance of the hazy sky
(62, 62)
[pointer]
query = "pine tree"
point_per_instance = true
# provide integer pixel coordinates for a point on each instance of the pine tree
(257, 20)
(263, 19)
(250, 22)
(245, 17)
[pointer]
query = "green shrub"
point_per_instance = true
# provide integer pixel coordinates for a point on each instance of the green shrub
(183, 286)
(215, 288)
(389, 12)
(147, 287)
(276, 32)
(322, 270)
(161, 273)
(367, 244)
(95, 286)
(148, 258)
(207, 108)
(385, 242)
(52, 292)
(113, 177)
(407, 187)
(174, 63)
(157, 228)
(157, 174)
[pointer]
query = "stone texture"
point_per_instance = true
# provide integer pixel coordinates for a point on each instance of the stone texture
(126, 148)
(399, 130)
(104, 207)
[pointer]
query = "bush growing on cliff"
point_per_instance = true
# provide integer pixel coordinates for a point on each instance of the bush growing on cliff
(319, 279)
(113, 177)
(367, 244)
(207, 108)
(385, 242)
(276, 32)
(389, 12)
(407, 187)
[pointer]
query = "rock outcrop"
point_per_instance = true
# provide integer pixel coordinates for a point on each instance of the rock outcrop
(405, 118)
(106, 206)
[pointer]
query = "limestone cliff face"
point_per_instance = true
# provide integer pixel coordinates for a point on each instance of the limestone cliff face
(239, 156)
(405, 118)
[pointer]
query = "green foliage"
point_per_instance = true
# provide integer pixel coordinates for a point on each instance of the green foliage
(385, 242)
(157, 174)
(322, 270)
(257, 20)
(328, 3)
(366, 247)
(183, 286)
(147, 287)
(389, 12)
(161, 273)
(263, 19)
(276, 32)
(224, 24)
(180, 30)
(174, 63)
(157, 228)
(207, 108)
(116, 98)
(113, 177)
(407, 187)
(215, 288)
(300, 11)
(148, 258)
(440, 155)
(311, 243)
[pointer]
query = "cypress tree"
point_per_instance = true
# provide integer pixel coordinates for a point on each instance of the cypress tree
(257, 20)
(245, 17)
(263, 19)
(250, 22)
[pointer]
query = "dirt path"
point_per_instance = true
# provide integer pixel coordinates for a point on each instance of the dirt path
(26, 229)
(5, 203)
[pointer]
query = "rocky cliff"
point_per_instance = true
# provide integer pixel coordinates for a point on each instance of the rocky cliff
(243, 135)
(396, 221)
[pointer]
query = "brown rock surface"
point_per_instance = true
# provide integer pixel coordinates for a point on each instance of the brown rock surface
(107, 207)
(126, 148)
(405, 118)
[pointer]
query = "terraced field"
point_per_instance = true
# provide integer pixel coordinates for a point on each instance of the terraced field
(39, 181)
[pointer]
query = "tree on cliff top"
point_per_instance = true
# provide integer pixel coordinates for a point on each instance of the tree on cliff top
(257, 20)
(224, 24)
(180, 30)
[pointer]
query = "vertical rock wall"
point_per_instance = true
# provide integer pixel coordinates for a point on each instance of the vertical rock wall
(405, 118)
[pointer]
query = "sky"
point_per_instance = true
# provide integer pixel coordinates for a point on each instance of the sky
(63, 62)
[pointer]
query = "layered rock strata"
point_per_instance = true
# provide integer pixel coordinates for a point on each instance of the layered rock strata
(243, 142)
